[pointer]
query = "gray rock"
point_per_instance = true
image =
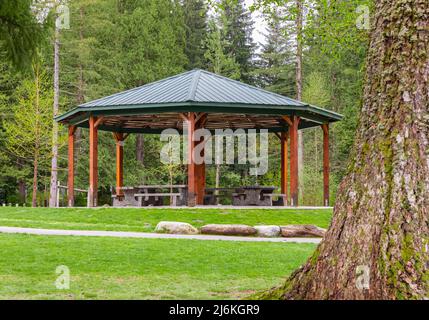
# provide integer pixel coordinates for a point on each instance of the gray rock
(175, 228)
(304, 230)
(267, 231)
(228, 229)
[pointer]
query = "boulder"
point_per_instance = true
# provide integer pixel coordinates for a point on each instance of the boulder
(175, 228)
(267, 231)
(304, 230)
(228, 229)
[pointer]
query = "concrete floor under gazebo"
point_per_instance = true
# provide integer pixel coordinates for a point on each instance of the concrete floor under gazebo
(201, 100)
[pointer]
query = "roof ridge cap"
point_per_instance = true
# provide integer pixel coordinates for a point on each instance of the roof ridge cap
(194, 85)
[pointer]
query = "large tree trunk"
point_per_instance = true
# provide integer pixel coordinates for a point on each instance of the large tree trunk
(298, 80)
(381, 218)
(54, 164)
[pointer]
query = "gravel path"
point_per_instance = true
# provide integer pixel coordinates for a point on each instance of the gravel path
(120, 234)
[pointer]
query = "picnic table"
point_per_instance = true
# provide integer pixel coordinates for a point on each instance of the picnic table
(246, 196)
(257, 196)
(150, 195)
(212, 195)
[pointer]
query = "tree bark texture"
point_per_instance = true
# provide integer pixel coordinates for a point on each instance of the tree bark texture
(377, 244)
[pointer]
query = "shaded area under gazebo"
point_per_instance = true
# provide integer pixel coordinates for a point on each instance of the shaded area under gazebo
(203, 100)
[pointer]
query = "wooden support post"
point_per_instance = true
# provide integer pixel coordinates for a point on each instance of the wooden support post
(93, 162)
(201, 181)
(325, 128)
(70, 180)
(196, 172)
(192, 167)
(293, 134)
(284, 163)
(119, 139)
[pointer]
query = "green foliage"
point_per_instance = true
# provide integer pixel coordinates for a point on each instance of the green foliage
(116, 45)
(276, 69)
(218, 60)
(195, 20)
(29, 130)
(20, 33)
(236, 24)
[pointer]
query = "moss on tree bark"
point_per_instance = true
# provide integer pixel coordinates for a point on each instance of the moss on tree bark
(381, 217)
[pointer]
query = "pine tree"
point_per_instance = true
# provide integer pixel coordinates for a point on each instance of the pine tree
(237, 26)
(29, 134)
(275, 64)
(20, 32)
(218, 60)
(195, 19)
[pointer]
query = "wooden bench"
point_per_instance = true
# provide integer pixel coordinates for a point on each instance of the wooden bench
(281, 199)
(158, 197)
(213, 195)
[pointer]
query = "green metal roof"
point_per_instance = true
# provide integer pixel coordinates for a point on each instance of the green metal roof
(198, 91)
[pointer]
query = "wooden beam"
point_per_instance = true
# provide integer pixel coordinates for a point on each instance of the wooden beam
(183, 116)
(325, 128)
(200, 116)
(293, 134)
(288, 120)
(93, 162)
(284, 163)
(119, 137)
(98, 121)
(70, 178)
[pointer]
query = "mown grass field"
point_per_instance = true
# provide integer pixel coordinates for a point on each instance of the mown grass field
(113, 268)
(145, 220)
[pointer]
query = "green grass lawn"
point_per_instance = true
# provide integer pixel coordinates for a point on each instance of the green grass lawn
(113, 268)
(145, 220)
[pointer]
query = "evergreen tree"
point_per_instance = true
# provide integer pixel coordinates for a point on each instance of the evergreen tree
(218, 60)
(276, 65)
(20, 32)
(237, 26)
(29, 134)
(195, 19)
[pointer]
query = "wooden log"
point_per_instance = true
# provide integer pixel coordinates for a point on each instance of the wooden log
(325, 128)
(228, 229)
(297, 231)
(70, 179)
(93, 163)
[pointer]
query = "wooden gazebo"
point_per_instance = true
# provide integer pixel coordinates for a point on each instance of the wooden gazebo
(205, 100)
